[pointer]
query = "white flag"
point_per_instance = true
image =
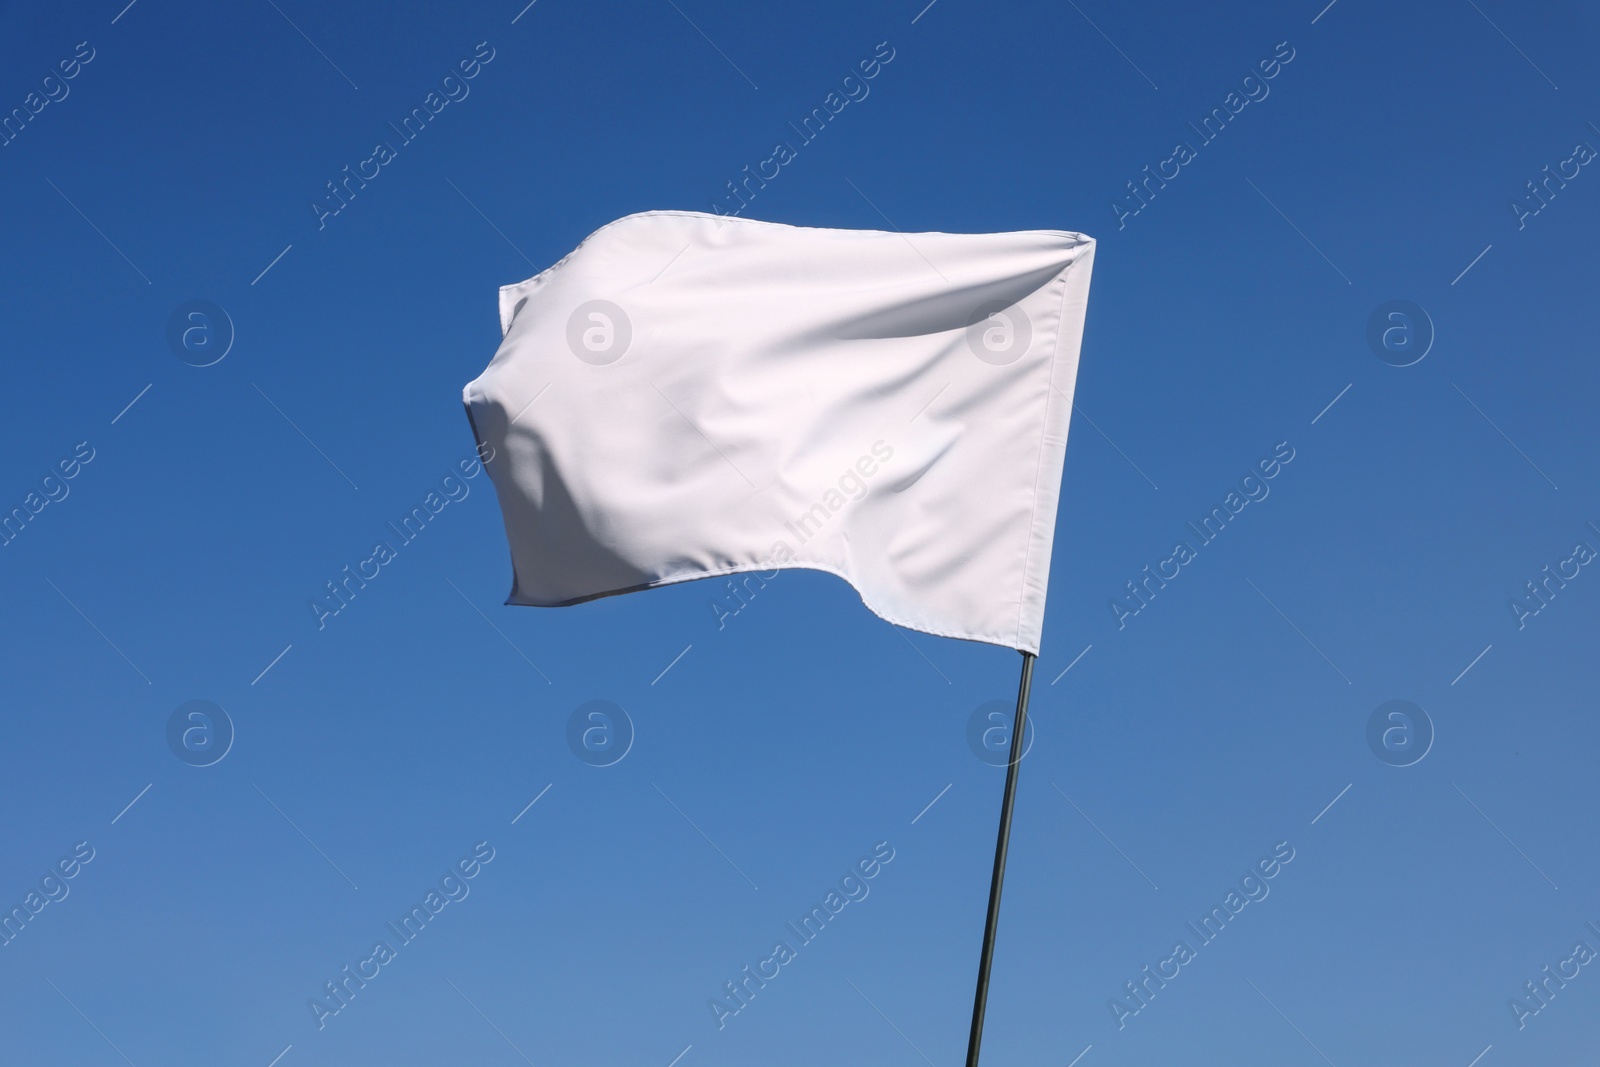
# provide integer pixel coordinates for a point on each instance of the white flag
(688, 396)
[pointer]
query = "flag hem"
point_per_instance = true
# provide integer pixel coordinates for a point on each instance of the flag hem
(1044, 435)
(679, 579)
(505, 321)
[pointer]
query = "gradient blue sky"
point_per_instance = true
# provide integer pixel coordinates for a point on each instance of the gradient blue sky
(180, 164)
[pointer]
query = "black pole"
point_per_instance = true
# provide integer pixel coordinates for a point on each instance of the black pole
(1018, 730)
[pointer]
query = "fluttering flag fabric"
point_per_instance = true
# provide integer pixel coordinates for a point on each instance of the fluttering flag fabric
(689, 396)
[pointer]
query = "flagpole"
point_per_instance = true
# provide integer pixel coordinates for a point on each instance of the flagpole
(1018, 730)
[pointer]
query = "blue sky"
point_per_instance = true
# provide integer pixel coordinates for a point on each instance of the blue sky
(1228, 718)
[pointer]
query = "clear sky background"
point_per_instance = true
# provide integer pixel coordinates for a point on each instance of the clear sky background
(1184, 744)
